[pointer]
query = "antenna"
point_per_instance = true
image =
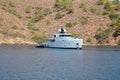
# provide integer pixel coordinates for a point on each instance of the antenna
(62, 30)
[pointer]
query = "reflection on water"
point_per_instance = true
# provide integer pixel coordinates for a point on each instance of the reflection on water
(20, 62)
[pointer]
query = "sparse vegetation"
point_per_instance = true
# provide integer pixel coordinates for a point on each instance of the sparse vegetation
(30, 24)
(89, 40)
(58, 16)
(1, 19)
(101, 2)
(118, 42)
(84, 20)
(3, 32)
(39, 38)
(11, 11)
(117, 31)
(39, 15)
(83, 6)
(16, 34)
(75, 35)
(48, 22)
(115, 23)
(33, 28)
(93, 11)
(70, 10)
(116, 4)
(99, 12)
(69, 24)
(102, 35)
(64, 4)
(11, 4)
(109, 8)
(14, 27)
(47, 11)
(28, 10)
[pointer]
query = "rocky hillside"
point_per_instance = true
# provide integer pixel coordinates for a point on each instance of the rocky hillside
(31, 21)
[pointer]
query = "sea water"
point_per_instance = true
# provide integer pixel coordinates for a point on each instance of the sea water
(24, 62)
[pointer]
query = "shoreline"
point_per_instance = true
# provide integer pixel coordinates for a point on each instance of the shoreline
(35, 44)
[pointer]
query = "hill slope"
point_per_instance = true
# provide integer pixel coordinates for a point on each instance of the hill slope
(31, 21)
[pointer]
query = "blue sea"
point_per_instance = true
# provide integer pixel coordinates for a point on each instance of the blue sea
(25, 62)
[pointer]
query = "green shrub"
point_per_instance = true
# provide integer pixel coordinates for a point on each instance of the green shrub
(69, 24)
(30, 24)
(102, 35)
(74, 23)
(58, 16)
(84, 20)
(85, 9)
(3, 32)
(114, 16)
(28, 17)
(39, 38)
(28, 10)
(39, 15)
(62, 4)
(108, 6)
(93, 11)
(105, 13)
(33, 28)
(89, 40)
(82, 5)
(116, 5)
(101, 2)
(47, 11)
(48, 22)
(70, 10)
(115, 23)
(118, 42)
(14, 27)
(117, 31)
(99, 12)
(11, 4)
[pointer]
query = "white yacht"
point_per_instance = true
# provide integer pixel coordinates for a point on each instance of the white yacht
(63, 40)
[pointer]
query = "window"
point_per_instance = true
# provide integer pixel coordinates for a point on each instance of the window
(52, 40)
(77, 43)
(64, 35)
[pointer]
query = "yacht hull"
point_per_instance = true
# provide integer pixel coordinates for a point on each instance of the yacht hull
(64, 44)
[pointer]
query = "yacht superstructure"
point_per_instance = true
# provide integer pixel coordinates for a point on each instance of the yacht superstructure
(63, 40)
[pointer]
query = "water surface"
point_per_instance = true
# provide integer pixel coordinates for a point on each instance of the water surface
(23, 62)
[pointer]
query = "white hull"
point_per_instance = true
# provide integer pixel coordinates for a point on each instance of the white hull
(67, 43)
